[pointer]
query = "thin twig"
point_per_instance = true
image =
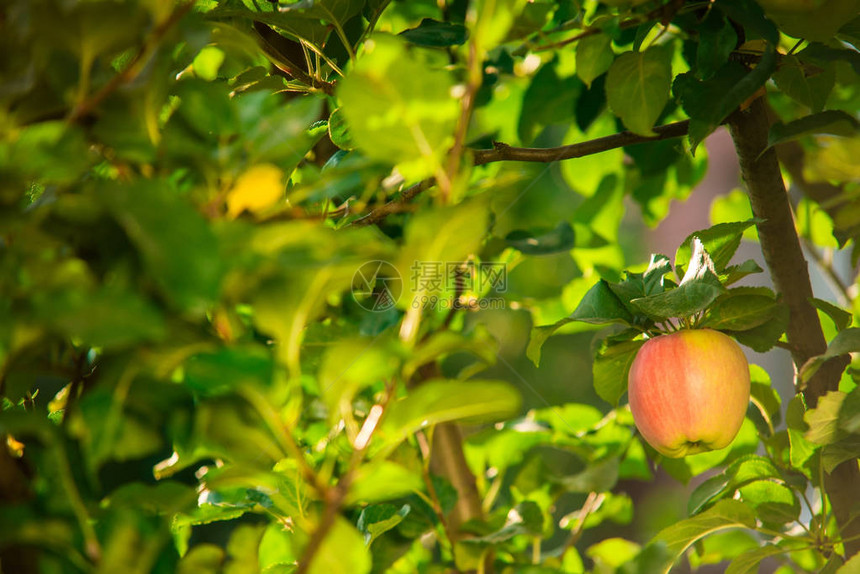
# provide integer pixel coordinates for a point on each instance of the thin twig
(455, 155)
(273, 45)
(840, 289)
(395, 205)
(436, 505)
(285, 439)
(664, 13)
(504, 152)
(134, 66)
(336, 496)
(591, 504)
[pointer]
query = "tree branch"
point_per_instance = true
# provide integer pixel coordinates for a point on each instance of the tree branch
(781, 249)
(134, 66)
(394, 206)
(504, 152)
(282, 51)
(335, 497)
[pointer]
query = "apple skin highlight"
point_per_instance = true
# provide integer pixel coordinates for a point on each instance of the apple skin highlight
(689, 391)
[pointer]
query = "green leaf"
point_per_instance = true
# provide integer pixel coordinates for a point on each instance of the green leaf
(350, 365)
(749, 561)
(202, 558)
(734, 273)
(724, 514)
(765, 398)
(851, 567)
(610, 369)
(720, 241)
(710, 102)
(600, 305)
(611, 553)
(338, 130)
(377, 519)
(549, 99)
(800, 449)
(820, 23)
(717, 39)
(750, 15)
(841, 318)
(53, 151)
(820, 54)
(849, 414)
(739, 310)
(436, 240)
(479, 342)
(342, 551)
(742, 471)
(436, 34)
(276, 548)
(594, 56)
(773, 502)
(109, 318)
(178, 247)
(637, 87)
(441, 400)
(721, 547)
(683, 301)
(846, 341)
(764, 337)
(222, 371)
(597, 477)
(382, 480)
(164, 497)
(809, 89)
(524, 519)
(823, 419)
(399, 111)
(834, 122)
(843, 449)
(556, 240)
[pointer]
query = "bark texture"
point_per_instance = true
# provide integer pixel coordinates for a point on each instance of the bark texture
(788, 268)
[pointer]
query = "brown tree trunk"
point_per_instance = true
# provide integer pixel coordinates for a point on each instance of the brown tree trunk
(788, 268)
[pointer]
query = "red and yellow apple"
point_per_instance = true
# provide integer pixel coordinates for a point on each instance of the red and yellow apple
(689, 391)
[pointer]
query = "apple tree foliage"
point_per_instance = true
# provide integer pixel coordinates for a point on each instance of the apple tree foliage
(241, 326)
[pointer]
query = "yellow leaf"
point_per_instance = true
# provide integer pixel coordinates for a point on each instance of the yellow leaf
(259, 187)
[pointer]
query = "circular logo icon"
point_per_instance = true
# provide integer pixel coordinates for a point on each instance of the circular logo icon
(377, 285)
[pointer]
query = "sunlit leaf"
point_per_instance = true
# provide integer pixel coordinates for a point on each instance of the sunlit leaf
(725, 514)
(398, 111)
(439, 401)
(258, 188)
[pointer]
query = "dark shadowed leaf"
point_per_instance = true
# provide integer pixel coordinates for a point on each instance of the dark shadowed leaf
(180, 250)
(562, 238)
(436, 34)
(835, 122)
(601, 305)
